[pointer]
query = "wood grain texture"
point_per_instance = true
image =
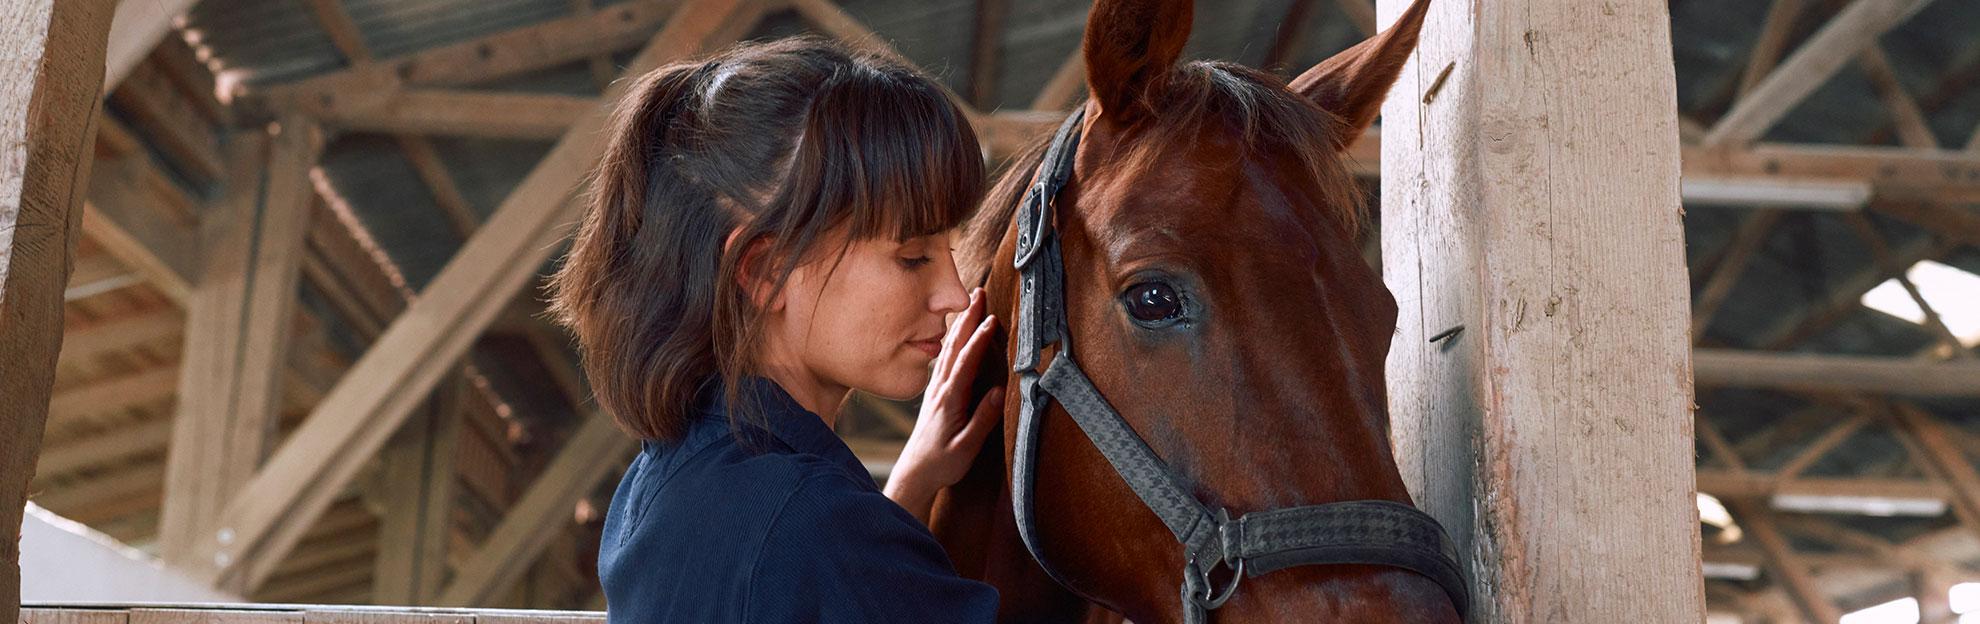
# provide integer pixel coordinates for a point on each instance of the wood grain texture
(1534, 201)
(51, 70)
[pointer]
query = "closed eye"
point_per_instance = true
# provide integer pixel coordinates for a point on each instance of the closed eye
(916, 262)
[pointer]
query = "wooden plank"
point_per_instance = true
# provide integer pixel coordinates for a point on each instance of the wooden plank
(464, 113)
(1784, 563)
(1723, 368)
(589, 456)
(1932, 439)
(50, 86)
(382, 388)
(1512, 215)
(72, 616)
(1844, 300)
(1913, 130)
(342, 30)
(1736, 485)
(197, 616)
(1855, 28)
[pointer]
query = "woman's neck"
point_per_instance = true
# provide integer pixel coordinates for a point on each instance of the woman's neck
(817, 395)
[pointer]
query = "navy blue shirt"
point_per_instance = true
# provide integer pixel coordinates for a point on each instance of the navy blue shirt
(707, 530)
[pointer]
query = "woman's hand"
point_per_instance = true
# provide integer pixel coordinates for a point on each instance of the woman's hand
(948, 434)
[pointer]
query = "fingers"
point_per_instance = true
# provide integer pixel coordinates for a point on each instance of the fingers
(963, 370)
(965, 319)
(988, 412)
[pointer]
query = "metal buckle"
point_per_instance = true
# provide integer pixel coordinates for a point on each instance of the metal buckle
(1199, 577)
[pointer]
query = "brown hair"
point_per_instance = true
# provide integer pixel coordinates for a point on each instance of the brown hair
(785, 142)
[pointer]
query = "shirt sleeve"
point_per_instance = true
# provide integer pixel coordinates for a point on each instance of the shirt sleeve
(838, 552)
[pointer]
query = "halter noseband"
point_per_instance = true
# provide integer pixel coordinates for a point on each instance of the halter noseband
(1371, 532)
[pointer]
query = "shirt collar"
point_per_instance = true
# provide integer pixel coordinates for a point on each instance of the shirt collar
(790, 425)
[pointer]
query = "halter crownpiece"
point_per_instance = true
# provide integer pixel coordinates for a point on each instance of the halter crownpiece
(1366, 532)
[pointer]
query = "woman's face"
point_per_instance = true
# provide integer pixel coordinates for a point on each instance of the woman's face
(874, 321)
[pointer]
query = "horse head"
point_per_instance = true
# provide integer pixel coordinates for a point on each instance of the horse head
(1218, 300)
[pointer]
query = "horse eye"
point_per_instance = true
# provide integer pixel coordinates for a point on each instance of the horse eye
(1151, 302)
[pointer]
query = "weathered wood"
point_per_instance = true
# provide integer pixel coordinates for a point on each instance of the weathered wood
(464, 113)
(1812, 64)
(589, 456)
(171, 120)
(1836, 373)
(1512, 214)
(118, 445)
(1734, 485)
(51, 64)
(71, 616)
(1913, 130)
(381, 389)
(446, 193)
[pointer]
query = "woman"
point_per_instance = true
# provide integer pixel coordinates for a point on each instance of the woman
(769, 229)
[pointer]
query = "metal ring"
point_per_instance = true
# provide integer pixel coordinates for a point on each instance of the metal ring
(1211, 600)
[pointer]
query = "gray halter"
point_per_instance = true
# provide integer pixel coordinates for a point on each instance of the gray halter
(1372, 532)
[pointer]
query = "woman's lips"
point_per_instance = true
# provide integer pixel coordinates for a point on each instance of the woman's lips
(930, 347)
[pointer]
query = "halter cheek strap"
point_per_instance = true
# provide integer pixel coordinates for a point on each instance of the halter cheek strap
(1369, 532)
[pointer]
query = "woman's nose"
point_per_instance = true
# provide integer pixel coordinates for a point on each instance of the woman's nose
(949, 296)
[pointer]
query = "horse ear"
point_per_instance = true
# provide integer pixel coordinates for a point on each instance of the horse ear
(1353, 83)
(1130, 47)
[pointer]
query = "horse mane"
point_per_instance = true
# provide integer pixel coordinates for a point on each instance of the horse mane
(1257, 105)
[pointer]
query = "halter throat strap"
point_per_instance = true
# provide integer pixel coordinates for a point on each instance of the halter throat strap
(1370, 532)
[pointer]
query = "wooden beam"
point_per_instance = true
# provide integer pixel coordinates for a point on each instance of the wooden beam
(1727, 485)
(122, 444)
(1067, 82)
(446, 193)
(1845, 299)
(1746, 244)
(239, 329)
(419, 487)
(1815, 450)
(50, 87)
(1773, 39)
(84, 344)
(589, 456)
(508, 53)
(171, 121)
(116, 394)
(1785, 565)
(137, 27)
(1547, 373)
(463, 113)
(1724, 368)
(1913, 130)
(1944, 457)
(343, 31)
(1881, 254)
(1855, 28)
(142, 218)
(381, 389)
(986, 52)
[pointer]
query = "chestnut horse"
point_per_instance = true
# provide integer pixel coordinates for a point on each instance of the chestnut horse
(1213, 283)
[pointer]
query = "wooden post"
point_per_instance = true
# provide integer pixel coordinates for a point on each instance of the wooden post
(51, 72)
(418, 496)
(1530, 196)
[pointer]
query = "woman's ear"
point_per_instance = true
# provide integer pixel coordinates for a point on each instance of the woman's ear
(750, 276)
